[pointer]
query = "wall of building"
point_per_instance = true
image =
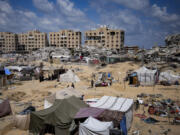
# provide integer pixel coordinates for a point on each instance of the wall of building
(105, 37)
(8, 42)
(65, 38)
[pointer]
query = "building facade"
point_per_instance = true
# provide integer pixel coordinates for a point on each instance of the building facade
(65, 38)
(105, 37)
(32, 40)
(131, 49)
(8, 42)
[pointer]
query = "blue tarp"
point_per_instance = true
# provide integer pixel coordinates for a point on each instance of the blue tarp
(123, 125)
(7, 72)
(109, 75)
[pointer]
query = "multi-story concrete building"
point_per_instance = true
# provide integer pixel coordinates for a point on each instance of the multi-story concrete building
(65, 38)
(31, 40)
(105, 37)
(8, 42)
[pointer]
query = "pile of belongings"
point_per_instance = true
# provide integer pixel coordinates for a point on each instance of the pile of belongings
(104, 80)
(167, 78)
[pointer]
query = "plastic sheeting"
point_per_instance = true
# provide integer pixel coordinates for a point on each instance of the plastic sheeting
(146, 76)
(69, 77)
(93, 126)
(167, 76)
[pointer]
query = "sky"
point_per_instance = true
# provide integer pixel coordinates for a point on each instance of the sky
(146, 22)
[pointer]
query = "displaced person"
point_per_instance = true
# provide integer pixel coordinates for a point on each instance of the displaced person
(92, 83)
(72, 85)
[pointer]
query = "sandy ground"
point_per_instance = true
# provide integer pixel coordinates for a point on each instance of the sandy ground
(34, 92)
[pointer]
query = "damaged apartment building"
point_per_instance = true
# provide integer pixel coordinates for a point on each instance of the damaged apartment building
(8, 42)
(105, 37)
(23, 42)
(32, 40)
(65, 39)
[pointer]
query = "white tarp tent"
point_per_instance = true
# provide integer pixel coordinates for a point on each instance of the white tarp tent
(146, 76)
(117, 104)
(61, 94)
(168, 76)
(70, 76)
(93, 126)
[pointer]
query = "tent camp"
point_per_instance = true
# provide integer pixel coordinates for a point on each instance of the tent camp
(70, 76)
(146, 76)
(59, 116)
(61, 94)
(124, 105)
(169, 77)
(93, 126)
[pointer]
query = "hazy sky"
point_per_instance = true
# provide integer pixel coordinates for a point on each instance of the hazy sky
(146, 22)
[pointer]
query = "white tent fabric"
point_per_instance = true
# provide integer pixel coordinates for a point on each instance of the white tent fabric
(61, 94)
(146, 76)
(168, 76)
(117, 104)
(93, 126)
(69, 77)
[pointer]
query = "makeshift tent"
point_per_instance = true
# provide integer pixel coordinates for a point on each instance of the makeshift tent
(5, 108)
(70, 76)
(124, 105)
(60, 116)
(100, 114)
(88, 111)
(93, 126)
(61, 94)
(22, 121)
(146, 76)
(169, 77)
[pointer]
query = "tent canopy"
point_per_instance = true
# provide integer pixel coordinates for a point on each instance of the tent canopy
(60, 115)
(70, 76)
(93, 126)
(146, 76)
(114, 103)
(61, 94)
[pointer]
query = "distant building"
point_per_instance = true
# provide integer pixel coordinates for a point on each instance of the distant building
(65, 38)
(173, 39)
(32, 40)
(131, 49)
(105, 37)
(8, 42)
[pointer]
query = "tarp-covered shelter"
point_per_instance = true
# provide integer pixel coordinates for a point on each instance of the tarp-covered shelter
(124, 105)
(5, 108)
(70, 76)
(93, 126)
(60, 116)
(169, 77)
(61, 94)
(146, 76)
